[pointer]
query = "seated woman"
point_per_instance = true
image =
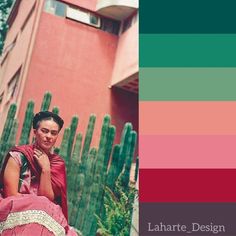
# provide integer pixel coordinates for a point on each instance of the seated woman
(33, 197)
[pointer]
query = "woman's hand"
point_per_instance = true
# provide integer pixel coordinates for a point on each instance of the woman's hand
(42, 159)
(45, 185)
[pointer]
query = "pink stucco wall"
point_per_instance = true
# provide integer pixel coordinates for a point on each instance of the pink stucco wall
(75, 62)
(87, 4)
(126, 62)
(17, 56)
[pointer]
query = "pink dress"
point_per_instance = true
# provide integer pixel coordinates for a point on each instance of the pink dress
(30, 214)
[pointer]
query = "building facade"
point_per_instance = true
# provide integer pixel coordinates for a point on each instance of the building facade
(84, 52)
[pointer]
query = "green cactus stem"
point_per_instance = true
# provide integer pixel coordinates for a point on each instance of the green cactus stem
(46, 101)
(6, 131)
(125, 177)
(124, 145)
(84, 202)
(25, 132)
(8, 123)
(136, 169)
(110, 140)
(64, 144)
(55, 110)
(88, 137)
(12, 137)
(73, 127)
(113, 172)
(77, 147)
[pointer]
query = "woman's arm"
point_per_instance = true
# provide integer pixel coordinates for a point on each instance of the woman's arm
(45, 185)
(11, 178)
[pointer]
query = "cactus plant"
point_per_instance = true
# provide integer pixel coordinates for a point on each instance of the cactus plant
(125, 177)
(12, 137)
(46, 101)
(73, 127)
(89, 171)
(25, 132)
(88, 137)
(6, 131)
(77, 147)
(55, 110)
(64, 144)
(110, 140)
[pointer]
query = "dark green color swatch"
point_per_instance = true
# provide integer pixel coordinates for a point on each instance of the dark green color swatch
(187, 16)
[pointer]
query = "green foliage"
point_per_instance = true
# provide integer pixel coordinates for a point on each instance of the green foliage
(118, 211)
(5, 6)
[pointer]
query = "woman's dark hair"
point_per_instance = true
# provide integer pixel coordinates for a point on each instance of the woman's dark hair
(47, 115)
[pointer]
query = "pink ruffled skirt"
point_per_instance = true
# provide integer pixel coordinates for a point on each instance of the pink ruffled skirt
(32, 215)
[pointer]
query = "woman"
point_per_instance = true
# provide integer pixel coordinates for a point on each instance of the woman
(33, 184)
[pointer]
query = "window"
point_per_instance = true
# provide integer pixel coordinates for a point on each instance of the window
(111, 26)
(12, 85)
(77, 14)
(55, 7)
(128, 22)
(83, 16)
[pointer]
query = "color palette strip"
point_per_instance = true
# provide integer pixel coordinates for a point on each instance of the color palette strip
(184, 16)
(187, 151)
(187, 117)
(187, 185)
(187, 84)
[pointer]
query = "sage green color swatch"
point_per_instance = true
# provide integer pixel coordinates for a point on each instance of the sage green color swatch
(183, 84)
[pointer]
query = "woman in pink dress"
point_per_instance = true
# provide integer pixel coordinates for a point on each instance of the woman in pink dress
(33, 197)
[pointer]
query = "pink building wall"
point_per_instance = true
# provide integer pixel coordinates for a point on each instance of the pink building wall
(126, 63)
(87, 4)
(16, 57)
(75, 63)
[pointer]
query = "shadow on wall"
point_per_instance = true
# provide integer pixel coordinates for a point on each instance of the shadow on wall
(124, 106)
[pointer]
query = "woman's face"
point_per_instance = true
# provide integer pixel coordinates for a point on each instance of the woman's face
(46, 134)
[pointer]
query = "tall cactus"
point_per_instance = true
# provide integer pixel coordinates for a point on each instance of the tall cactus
(25, 132)
(73, 127)
(125, 178)
(124, 145)
(110, 140)
(88, 180)
(113, 172)
(46, 101)
(77, 148)
(100, 174)
(6, 131)
(64, 144)
(88, 137)
(12, 137)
